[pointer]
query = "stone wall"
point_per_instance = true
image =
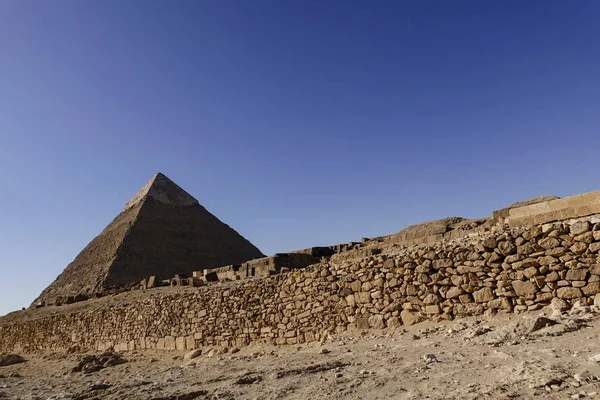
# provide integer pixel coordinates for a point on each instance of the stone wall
(555, 210)
(504, 270)
(261, 267)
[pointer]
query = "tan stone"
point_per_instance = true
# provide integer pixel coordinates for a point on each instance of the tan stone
(432, 309)
(569, 293)
(594, 247)
(376, 321)
(580, 227)
(576, 274)
(578, 248)
(552, 277)
(394, 322)
(362, 297)
(507, 248)
(410, 318)
(350, 300)
(530, 272)
(356, 286)
(483, 295)
(524, 288)
(549, 243)
(587, 237)
(454, 292)
(490, 243)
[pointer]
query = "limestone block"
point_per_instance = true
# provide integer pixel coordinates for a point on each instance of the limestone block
(376, 321)
(548, 260)
(530, 272)
(432, 309)
(490, 243)
(454, 292)
(363, 323)
(507, 248)
(576, 274)
(190, 342)
(410, 317)
(524, 288)
(569, 293)
(468, 309)
(394, 322)
(362, 297)
(578, 248)
(483, 295)
(591, 288)
(587, 237)
(549, 243)
(580, 227)
(170, 343)
(594, 247)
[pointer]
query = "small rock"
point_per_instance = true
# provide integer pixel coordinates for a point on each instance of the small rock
(595, 358)
(430, 358)
(99, 386)
(192, 354)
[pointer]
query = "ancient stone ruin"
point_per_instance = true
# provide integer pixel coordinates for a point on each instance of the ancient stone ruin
(162, 231)
(522, 258)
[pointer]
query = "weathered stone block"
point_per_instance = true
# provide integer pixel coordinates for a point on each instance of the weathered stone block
(569, 293)
(524, 288)
(484, 295)
(580, 227)
(507, 248)
(376, 321)
(410, 317)
(576, 274)
(362, 297)
(591, 288)
(454, 292)
(432, 309)
(549, 243)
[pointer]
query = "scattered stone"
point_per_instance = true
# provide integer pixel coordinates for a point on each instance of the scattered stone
(10, 359)
(93, 363)
(192, 354)
(430, 358)
(595, 358)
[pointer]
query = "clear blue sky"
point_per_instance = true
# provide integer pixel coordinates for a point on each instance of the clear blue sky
(298, 123)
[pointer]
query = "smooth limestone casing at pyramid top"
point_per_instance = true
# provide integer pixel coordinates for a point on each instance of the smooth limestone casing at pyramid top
(161, 231)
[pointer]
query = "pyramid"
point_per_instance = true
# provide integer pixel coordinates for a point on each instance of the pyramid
(162, 231)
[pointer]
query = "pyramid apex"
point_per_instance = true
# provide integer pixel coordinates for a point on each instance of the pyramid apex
(164, 190)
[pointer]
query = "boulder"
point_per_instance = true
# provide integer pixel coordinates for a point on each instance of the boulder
(376, 321)
(410, 318)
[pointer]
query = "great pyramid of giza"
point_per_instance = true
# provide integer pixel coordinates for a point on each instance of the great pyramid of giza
(162, 231)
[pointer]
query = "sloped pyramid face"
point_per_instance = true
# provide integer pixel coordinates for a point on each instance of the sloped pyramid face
(162, 231)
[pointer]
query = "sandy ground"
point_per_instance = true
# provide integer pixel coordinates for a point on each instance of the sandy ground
(505, 357)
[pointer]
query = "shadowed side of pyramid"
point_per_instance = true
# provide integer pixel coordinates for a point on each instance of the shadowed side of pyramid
(162, 231)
